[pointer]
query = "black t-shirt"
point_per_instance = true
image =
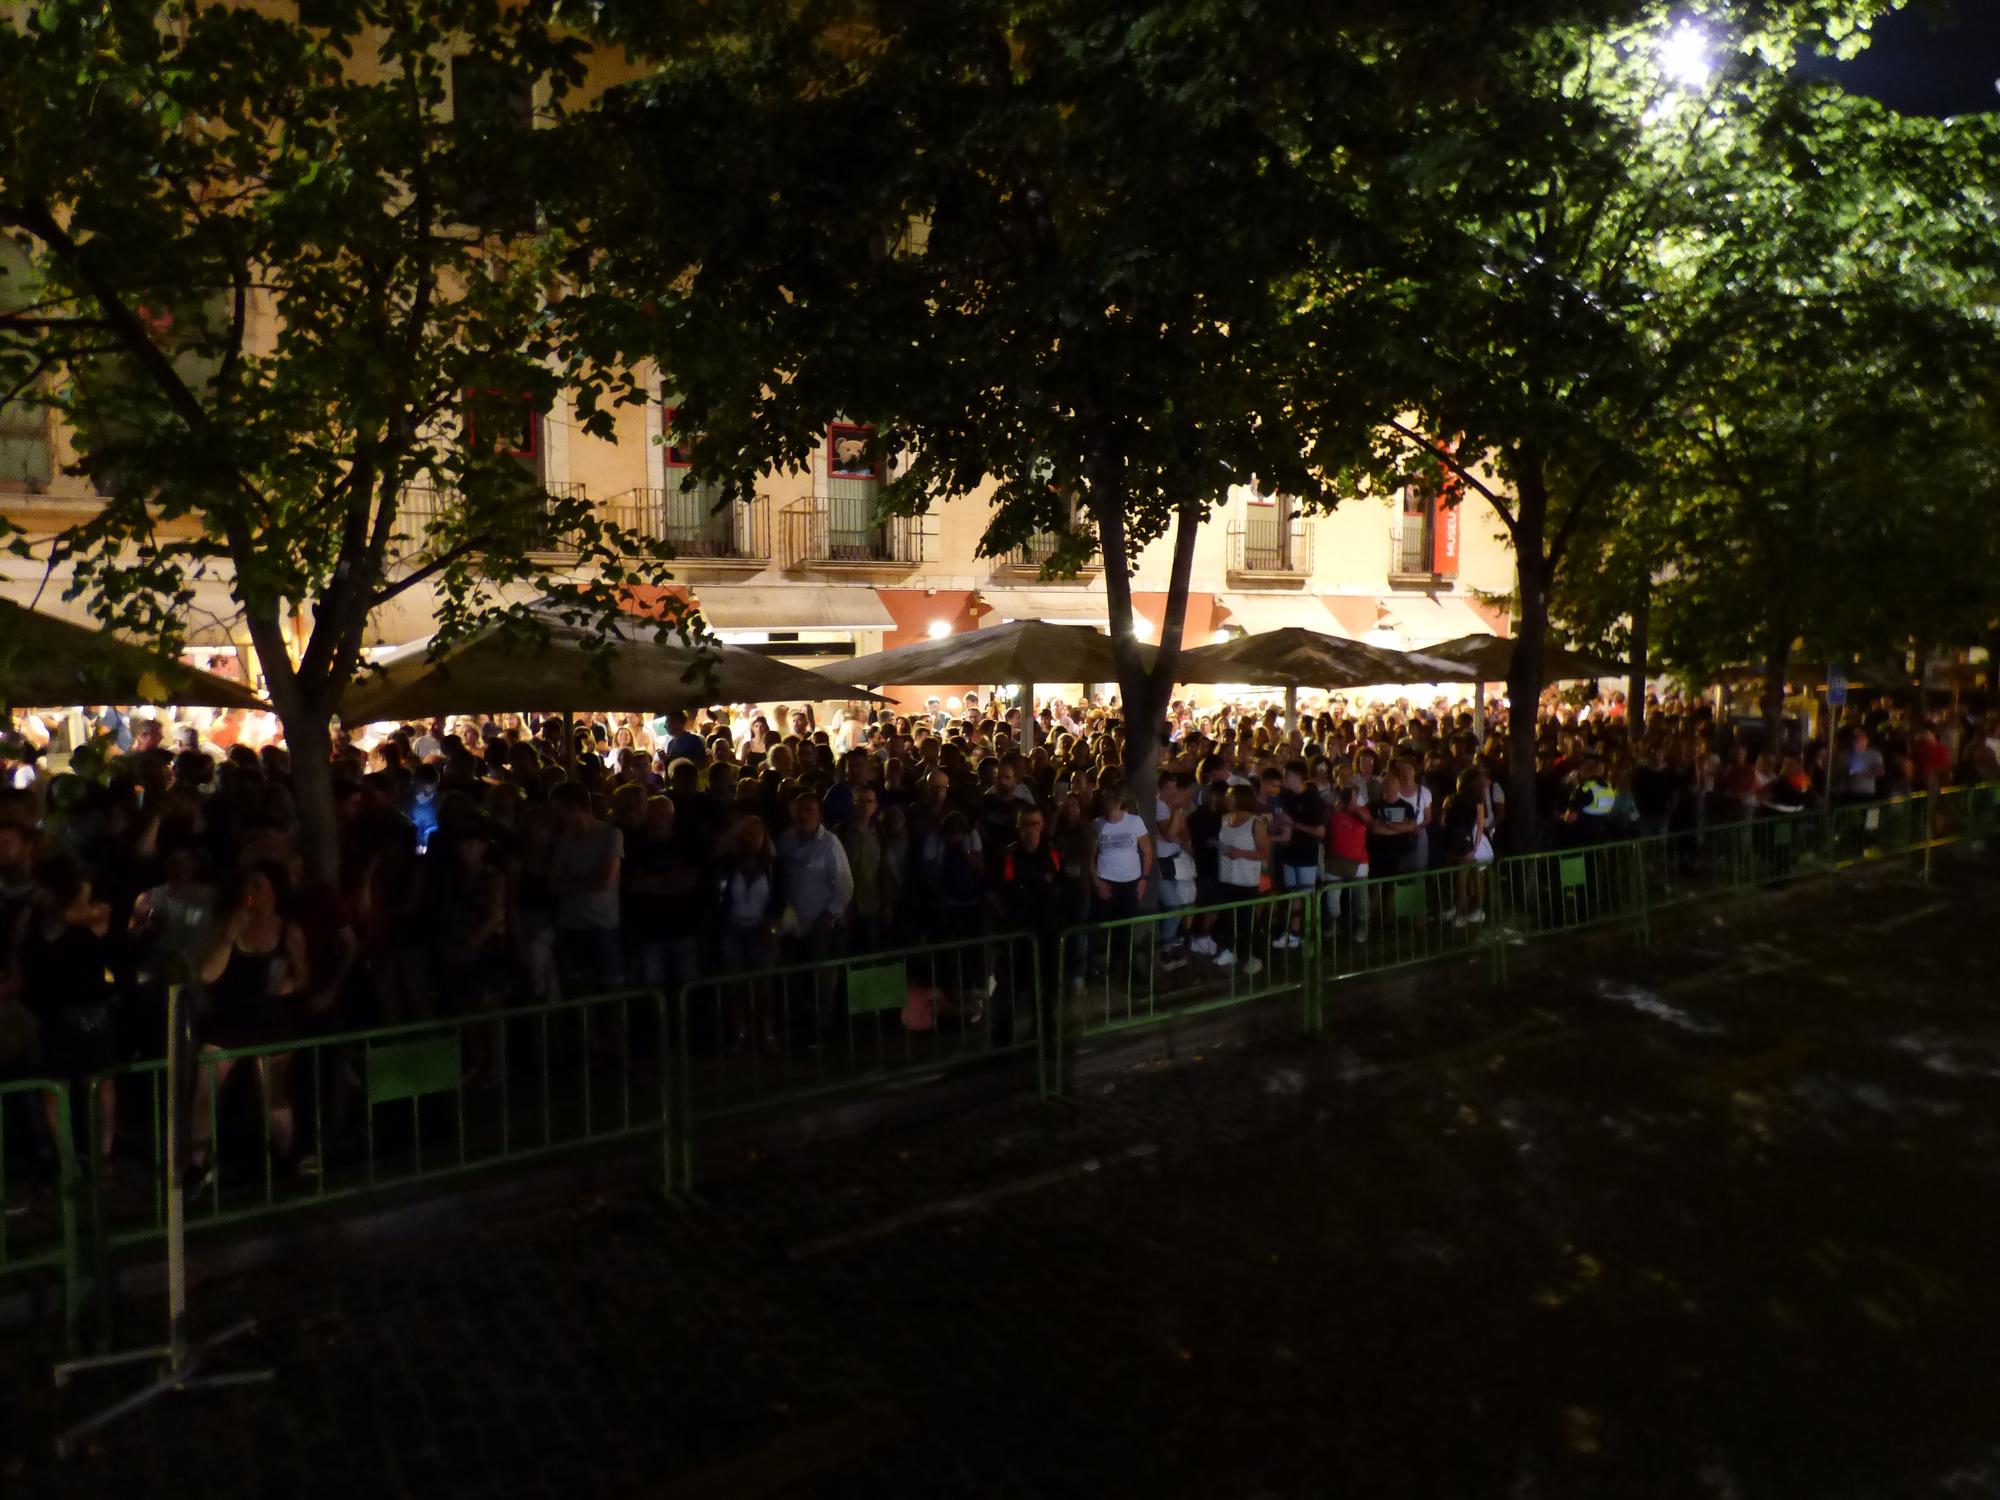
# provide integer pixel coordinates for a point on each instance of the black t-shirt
(1392, 854)
(998, 817)
(1204, 827)
(671, 915)
(1653, 789)
(1307, 809)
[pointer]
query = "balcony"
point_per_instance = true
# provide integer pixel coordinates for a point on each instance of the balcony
(1271, 549)
(1040, 550)
(843, 533)
(1410, 557)
(738, 534)
(424, 509)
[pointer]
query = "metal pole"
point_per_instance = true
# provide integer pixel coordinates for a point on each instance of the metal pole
(1479, 711)
(1027, 717)
(1291, 707)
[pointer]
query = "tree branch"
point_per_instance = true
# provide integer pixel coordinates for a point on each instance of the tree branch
(427, 572)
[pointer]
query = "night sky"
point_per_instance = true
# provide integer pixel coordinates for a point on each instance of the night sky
(1919, 67)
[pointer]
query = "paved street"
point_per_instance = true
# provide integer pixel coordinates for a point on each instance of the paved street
(1714, 1219)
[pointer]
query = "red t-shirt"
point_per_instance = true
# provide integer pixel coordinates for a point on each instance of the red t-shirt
(1932, 759)
(1347, 837)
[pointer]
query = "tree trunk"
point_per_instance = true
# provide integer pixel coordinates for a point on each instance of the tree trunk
(1524, 676)
(1777, 653)
(1642, 629)
(1146, 693)
(310, 746)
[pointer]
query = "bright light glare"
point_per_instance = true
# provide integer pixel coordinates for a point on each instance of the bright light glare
(1684, 56)
(1142, 628)
(939, 629)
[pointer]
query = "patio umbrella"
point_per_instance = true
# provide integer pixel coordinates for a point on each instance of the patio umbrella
(1023, 651)
(571, 672)
(50, 663)
(1293, 658)
(1492, 657)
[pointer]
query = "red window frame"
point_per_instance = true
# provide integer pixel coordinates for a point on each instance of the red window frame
(492, 396)
(674, 452)
(838, 430)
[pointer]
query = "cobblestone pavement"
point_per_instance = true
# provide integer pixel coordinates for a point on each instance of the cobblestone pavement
(1711, 1219)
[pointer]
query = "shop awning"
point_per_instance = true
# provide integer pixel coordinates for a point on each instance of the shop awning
(1354, 614)
(792, 607)
(1259, 614)
(1419, 620)
(1078, 606)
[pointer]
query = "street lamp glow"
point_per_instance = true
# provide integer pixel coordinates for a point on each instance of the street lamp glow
(1684, 56)
(1142, 628)
(939, 629)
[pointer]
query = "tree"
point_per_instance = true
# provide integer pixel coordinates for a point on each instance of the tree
(1054, 246)
(1561, 299)
(1835, 454)
(271, 282)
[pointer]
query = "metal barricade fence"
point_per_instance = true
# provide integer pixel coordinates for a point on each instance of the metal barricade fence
(377, 1109)
(1387, 922)
(38, 1226)
(760, 1039)
(1775, 847)
(1567, 890)
(1118, 975)
(1880, 830)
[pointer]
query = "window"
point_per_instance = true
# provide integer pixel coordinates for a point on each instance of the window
(850, 452)
(25, 460)
(507, 424)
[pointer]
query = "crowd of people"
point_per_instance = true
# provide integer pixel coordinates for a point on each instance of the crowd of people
(486, 861)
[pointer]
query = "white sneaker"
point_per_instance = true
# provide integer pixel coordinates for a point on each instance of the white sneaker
(1475, 916)
(1459, 922)
(1205, 946)
(1253, 966)
(1225, 958)
(1170, 959)
(1360, 934)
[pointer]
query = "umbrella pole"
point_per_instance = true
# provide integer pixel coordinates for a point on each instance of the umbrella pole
(1028, 725)
(1479, 710)
(1291, 707)
(569, 746)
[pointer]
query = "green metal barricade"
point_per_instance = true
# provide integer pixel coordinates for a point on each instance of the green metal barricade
(1399, 921)
(1118, 976)
(770, 1038)
(1568, 890)
(38, 1230)
(370, 1110)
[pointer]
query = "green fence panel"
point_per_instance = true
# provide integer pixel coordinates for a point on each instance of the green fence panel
(877, 987)
(38, 1229)
(481, 1090)
(410, 1070)
(772, 1038)
(1118, 975)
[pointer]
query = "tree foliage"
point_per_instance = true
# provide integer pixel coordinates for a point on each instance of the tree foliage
(1060, 247)
(262, 269)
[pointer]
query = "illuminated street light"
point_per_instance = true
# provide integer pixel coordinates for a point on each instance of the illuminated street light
(939, 629)
(1684, 56)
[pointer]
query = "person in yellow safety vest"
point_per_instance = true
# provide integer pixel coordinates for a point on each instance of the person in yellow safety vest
(1590, 803)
